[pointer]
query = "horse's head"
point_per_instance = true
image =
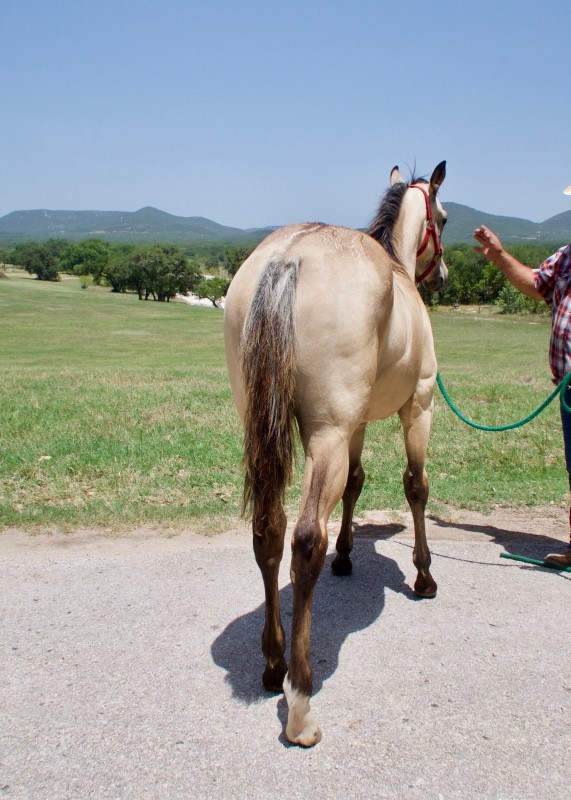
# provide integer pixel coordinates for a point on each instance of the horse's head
(427, 219)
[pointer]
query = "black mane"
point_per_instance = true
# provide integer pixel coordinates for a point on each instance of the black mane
(382, 226)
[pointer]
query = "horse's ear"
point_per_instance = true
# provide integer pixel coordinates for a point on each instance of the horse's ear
(437, 178)
(396, 177)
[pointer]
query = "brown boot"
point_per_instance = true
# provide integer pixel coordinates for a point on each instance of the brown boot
(559, 559)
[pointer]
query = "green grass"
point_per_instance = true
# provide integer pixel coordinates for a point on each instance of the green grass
(496, 371)
(116, 412)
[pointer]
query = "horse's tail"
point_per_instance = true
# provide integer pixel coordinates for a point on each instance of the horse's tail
(268, 366)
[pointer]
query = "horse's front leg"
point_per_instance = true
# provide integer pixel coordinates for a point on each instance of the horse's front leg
(324, 480)
(416, 419)
(341, 564)
(269, 527)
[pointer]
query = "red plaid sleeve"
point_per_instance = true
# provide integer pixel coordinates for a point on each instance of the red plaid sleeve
(545, 277)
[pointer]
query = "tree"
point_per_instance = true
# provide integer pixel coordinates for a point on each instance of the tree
(510, 301)
(117, 276)
(173, 272)
(116, 272)
(464, 272)
(40, 258)
(140, 271)
(490, 284)
(161, 271)
(89, 257)
(213, 289)
(235, 257)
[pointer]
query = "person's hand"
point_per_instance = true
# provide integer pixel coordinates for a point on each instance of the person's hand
(519, 275)
(491, 246)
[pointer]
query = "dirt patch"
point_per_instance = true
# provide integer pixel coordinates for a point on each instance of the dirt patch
(542, 526)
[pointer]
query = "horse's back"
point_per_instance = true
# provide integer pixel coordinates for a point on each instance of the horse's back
(343, 274)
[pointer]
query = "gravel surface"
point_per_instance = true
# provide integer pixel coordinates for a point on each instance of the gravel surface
(130, 667)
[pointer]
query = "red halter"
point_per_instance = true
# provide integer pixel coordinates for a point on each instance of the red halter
(431, 233)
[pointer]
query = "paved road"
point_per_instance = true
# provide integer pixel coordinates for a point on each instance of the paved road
(130, 668)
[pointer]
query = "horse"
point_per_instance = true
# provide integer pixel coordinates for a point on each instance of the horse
(324, 331)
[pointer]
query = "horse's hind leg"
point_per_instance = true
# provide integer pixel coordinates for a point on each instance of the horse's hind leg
(341, 564)
(324, 480)
(269, 531)
(416, 418)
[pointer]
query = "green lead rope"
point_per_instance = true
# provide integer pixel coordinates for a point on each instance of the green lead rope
(560, 390)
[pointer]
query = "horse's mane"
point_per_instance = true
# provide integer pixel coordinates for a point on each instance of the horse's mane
(382, 226)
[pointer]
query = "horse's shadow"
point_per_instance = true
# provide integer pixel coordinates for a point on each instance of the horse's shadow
(530, 545)
(341, 606)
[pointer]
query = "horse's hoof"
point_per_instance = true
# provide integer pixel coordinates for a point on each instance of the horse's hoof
(301, 728)
(273, 677)
(425, 586)
(341, 566)
(308, 737)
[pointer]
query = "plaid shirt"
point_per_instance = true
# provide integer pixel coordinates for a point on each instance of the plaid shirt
(553, 282)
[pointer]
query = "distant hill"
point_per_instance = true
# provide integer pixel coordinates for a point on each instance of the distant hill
(463, 220)
(152, 225)
(146, 225)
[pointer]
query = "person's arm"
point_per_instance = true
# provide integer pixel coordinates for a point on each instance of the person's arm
(517, 273)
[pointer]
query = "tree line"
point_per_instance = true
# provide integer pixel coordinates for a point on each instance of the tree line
(161, 271)
(158, 272)
(472, 280)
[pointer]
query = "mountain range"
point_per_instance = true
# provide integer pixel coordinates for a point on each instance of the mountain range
(152, 225)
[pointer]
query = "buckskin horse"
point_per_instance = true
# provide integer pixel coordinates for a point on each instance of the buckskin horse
(325, 330)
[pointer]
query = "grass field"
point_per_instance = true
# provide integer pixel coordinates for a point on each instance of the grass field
(116, 412)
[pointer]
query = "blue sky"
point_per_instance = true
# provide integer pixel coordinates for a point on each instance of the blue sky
(263, 113)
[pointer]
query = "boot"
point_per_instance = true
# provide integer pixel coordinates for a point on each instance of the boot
(561, 559)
